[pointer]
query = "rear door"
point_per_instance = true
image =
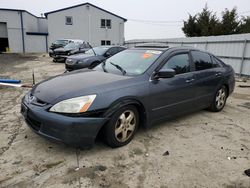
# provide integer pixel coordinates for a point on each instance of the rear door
(173, 96)
(207, 76)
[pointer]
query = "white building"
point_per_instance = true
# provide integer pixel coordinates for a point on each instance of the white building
(87, 22)
(21, 31)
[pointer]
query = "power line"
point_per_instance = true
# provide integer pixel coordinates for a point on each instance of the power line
(154, 21)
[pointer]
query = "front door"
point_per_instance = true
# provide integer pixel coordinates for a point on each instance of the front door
(173, 96)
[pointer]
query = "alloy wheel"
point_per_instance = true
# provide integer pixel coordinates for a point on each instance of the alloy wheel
(220, 98)
(125, 126)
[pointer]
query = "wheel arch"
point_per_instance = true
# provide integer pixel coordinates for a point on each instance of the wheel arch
(125, 102)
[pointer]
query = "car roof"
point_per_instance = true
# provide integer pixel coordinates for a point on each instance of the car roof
(164, 47)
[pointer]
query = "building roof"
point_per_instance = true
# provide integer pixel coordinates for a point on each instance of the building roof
(83, 4)
(20, 10)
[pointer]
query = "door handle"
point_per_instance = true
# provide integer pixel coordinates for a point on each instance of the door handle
(218, 74)
(189, 80)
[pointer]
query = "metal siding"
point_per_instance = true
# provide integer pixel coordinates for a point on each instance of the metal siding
(3, 30)
(230, 46)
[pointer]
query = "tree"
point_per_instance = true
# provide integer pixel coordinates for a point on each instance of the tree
(244, 26)
(206, 23)
(191, 28)
(202, 24)
(229, 23)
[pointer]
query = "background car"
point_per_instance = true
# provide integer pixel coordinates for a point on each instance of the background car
(74, 47)
(58, 44)
(92, 57)
(136, 87)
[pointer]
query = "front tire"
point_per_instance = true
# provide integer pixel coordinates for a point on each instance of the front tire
(219, 100)
(122, 126)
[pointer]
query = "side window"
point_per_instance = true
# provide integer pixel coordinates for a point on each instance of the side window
(202, 60)
(217, 62)
(180, 63)
(112, 51)
(120, 49)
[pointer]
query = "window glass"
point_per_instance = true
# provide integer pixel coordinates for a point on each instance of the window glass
(202, 60)
(69, 20)
(103, 23)
(108, 23)
(180, 63)
(98, 50)
(103, 42)
(112, 51)
(134, 62)
(217, 62)
(108, 42)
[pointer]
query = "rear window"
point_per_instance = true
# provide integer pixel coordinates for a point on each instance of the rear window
(202, 60)
(61, 42)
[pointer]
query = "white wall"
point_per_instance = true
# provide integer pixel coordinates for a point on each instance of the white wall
(82, 18)
(31, 23)
(35, 43)
(13, 20)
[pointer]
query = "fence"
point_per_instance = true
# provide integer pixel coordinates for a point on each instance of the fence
(232, 49)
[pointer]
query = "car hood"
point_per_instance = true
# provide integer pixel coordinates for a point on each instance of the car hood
(75, 84)
(81, 56)
(63, 49)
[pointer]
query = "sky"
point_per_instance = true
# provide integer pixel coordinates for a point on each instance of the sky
(147, 19)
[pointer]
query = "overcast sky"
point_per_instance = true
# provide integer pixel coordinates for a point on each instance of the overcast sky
(167, 15)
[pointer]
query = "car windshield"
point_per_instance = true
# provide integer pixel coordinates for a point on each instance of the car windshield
(72, 45)
(98, 50)
(60, 42)
(130, 62)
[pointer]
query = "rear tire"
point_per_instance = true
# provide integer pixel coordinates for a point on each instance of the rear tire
(122, 126)
(219, 99)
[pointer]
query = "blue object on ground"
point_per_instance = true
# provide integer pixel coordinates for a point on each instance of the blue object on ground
(10, 81)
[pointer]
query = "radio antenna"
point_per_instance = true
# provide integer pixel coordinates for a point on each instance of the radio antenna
(33, 77)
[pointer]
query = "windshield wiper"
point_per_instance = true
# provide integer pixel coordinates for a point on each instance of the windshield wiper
(119, 68)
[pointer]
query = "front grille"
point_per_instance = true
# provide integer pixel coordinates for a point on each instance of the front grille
(61, 53)
(34, 100)
(36, 125)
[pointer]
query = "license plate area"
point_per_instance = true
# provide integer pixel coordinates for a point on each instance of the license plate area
(24, 110)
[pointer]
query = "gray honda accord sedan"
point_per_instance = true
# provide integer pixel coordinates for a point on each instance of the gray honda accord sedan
(136, 87)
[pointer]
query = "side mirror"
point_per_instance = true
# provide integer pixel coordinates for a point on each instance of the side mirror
(164, 73)
(107, 54)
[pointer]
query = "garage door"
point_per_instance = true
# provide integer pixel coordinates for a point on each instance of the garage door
(3, 37)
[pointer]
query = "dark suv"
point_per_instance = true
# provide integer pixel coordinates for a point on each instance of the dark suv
(74, 47)
(58, 44)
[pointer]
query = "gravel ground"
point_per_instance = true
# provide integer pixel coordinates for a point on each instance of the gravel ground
(203, 149)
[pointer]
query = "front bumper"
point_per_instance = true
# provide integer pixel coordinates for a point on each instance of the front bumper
(73, 131)
(71, 67)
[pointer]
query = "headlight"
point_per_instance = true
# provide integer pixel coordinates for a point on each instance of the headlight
(74, 105)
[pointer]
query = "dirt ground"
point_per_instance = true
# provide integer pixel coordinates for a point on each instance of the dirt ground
(205, 149)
